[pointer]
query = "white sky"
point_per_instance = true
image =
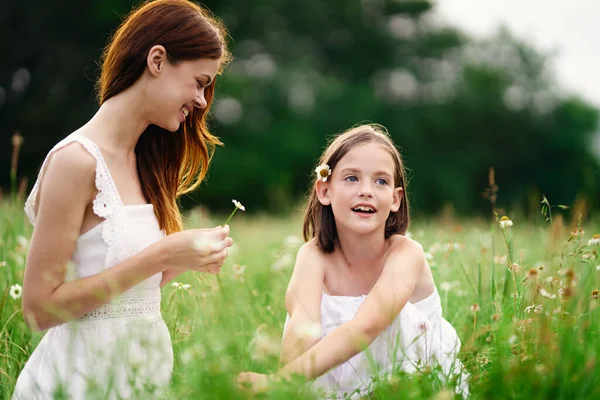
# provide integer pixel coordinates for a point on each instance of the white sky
(568, 28)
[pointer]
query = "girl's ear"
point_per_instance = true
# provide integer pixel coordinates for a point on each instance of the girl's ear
(322, 190)
(398, 195)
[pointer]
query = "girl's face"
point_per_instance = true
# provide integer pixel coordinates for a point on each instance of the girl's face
(176, 90)
(361, 189)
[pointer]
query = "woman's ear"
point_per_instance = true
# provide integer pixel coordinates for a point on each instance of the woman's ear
(156, 60)
(398, 195)
(322, 190)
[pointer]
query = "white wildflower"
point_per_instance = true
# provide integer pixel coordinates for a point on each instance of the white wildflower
(282, 262)
(594, 241)
(323, 172)
(238, 205)
(448, 286)
(264, 345)
(577, 232)
(505, 222)
(238, 272)
(535, 308)
(180, 286)
(292, 241)
(588, 255)
(546, 294)
(500, 259)
(22, 244)
(16, 291)
(514, 267)
(434, 248)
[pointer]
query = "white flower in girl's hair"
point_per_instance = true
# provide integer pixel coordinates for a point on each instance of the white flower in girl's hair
(238, 205)
(323, 171)
(16, 291)
(179, 285)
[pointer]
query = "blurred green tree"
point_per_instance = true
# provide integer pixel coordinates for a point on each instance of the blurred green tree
(306, 70)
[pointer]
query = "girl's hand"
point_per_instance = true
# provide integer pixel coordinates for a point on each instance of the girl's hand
(254, 381)
(202, 250)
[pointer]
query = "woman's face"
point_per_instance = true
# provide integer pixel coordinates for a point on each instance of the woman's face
(177, 90)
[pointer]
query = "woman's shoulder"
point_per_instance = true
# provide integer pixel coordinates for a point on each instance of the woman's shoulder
(71, 166)
(72, 158)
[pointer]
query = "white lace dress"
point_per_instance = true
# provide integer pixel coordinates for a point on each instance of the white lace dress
(418, 336)
(122, 349)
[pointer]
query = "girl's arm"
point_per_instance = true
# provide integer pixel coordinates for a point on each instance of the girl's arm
(303, 303)
(379, 309)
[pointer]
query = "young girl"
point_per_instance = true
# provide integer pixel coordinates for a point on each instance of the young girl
(358, 279)
(104, 201)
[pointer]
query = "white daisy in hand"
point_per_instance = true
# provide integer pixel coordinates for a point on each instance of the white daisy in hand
(323, 172)
(238, 205)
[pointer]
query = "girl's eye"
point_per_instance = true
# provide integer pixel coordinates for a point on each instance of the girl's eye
(382, 181)
(352, 178)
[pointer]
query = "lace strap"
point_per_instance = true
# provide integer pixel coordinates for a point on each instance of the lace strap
(107, 199)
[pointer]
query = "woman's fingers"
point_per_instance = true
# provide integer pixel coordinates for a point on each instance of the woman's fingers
(212, 268)
(217, 257)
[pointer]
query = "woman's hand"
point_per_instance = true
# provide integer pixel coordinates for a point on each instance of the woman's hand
(254, 381)
(202, 250)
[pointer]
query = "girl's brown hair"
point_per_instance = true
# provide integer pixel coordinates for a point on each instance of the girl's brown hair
(169, 165)
(319, 221)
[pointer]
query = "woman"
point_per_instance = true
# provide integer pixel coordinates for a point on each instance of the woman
(107, 229)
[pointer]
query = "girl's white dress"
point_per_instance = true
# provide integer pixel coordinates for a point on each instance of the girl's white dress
(122, 349)
(419, 336)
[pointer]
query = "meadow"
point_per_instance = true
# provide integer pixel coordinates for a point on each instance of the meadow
(523, 298)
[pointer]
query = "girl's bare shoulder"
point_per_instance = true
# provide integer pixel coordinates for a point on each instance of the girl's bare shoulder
(400, 244)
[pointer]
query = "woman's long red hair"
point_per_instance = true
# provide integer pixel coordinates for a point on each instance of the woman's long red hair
(169, 164)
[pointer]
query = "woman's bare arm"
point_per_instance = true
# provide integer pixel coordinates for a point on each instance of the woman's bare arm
(65, 191)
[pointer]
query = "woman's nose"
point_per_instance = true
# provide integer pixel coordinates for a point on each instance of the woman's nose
(200, 101)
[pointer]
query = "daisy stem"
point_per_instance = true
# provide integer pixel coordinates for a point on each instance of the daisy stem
(234, 210)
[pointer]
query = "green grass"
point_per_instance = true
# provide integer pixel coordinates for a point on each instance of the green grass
(546, 352)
